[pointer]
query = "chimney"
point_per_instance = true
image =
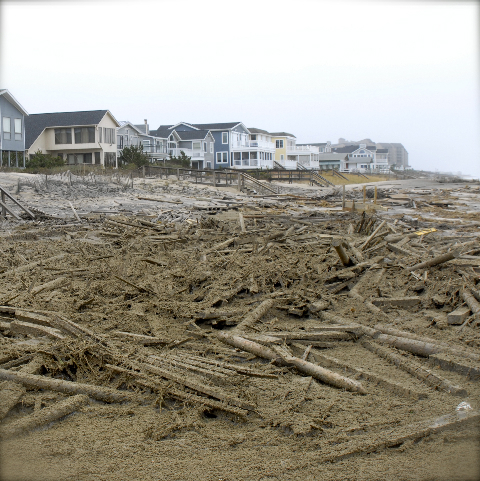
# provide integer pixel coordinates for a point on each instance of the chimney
(146, 126)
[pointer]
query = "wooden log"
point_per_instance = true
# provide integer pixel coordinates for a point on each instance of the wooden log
(392, 386)
(318, 372)
(242, 222)
(433, 262)
(50, 286)
(221, 245)
(141, 339)
(373, 235)
(312, 336)
(68, 387)
(472, 303)
(255, 315)
(355, 326)
(434, 346)
(344, 257)
(20, 327)
(74, 212)
(32, 317)
(415, 369)
(44, 417)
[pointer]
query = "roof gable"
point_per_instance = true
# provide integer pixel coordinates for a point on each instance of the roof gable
(10, 98)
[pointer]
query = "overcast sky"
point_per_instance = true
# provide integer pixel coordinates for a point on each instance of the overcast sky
(390, 71)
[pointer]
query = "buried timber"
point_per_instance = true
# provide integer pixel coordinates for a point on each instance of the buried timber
(213, 334)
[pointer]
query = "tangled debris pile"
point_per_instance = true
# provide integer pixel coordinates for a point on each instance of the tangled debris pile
(278, 313)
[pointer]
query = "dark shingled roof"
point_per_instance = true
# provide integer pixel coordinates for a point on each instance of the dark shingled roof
(218, 126)
(163, 132)
(371, 147)
(282, 134)
(345, 150)
(35, 124)
(193, 134)
(318, 144)
(382, 151)
(253, 130)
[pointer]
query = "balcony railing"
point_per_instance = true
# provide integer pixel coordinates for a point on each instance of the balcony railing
(254, 144)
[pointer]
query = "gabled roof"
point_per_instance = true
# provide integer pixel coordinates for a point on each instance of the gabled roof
(5, 93)
(183, 123)
(254, 130)
(124, 123)
(217, 126)
(282, 134)
(163, 132)
(35, 124)
(347, 150)
(142, 128)
(193, 134)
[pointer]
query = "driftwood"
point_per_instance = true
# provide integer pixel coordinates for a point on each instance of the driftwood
(344, 257)
(373, 235)
(68, 387)
(359, 373)
(49, 286)
(432, 344)
(255, 315)
(318, 372)
(44, 416)
(415, 369)
(472, 303)
(19, 327)
(433, 262)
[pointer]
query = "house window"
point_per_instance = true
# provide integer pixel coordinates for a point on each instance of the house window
(222, 157)
(119, 141)
(211, 147)
(279, 144)
(204, 146)
(281, 157)
(6, 128)
(109, 135)
(100, 134)
(253, 137)
(84, 135)
(254, 155)
(18, 129)
(224, 137)
(63, 136)
(196, 145)
(97, 158)
(87, 158)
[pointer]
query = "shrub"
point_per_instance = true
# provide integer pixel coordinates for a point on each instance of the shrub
(133, 154)
(45, 161)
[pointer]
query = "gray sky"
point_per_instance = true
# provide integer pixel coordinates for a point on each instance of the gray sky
(391, 71)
